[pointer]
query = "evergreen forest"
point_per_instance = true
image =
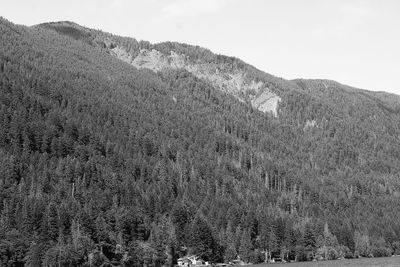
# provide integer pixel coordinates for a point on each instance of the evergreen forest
(106, 164)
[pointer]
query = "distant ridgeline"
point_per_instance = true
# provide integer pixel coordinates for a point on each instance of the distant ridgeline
(126, 153)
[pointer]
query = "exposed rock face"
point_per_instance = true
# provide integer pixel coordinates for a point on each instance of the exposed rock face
(150, 59)
(310, 124)
(232, 82)
(153, 60)
(267, 102)
(121, 54)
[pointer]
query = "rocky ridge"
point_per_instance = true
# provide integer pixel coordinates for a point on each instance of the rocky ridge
(232, 82)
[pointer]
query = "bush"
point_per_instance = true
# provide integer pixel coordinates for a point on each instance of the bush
(300, 253)
(396, 248)
(381, 251)
(319, 258)
(357, 254)
(345, 252)
(310, 255)
(332, 253)
(256, 256)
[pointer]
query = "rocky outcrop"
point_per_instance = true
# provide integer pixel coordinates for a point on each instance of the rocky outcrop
(121, 54)
(267, 102)
(233, 82)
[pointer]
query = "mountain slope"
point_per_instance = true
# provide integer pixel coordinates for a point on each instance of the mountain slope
(230, 75)
(119, 152)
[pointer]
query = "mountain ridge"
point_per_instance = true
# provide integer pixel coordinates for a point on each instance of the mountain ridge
(236, 84)
(208, 51)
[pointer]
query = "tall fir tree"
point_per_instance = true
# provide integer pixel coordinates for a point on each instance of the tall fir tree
(246, 246)
(230, 247)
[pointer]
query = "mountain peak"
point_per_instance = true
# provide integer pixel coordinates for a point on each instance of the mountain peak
(58, 23)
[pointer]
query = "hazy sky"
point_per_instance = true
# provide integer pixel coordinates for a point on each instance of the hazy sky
(356, 42)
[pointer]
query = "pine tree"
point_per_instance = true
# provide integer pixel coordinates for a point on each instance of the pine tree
(52, 221)
(362, 244)
(271, 243)
(287, 244)
(158, 244)
(245, 246)
(201, 241)
(180, 217)
(230, 247)
(34, 255)
(329, 239)
(238, 236)
(309, 237)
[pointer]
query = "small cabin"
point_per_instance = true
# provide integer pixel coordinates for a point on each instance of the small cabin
(190, 261)
(184, 261)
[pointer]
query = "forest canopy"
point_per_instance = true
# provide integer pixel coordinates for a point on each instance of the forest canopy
(104, 163)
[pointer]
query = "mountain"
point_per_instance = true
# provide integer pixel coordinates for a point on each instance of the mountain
(121, 152)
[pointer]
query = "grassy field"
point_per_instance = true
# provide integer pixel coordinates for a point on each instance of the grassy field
(364, 262)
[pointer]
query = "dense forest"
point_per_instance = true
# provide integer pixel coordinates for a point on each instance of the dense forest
(104, 164)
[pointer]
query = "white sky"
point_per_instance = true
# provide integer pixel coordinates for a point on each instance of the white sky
(356, 42)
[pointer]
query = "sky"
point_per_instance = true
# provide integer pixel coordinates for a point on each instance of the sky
(355, 42)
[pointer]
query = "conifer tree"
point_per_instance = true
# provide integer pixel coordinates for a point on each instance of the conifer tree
(34, 254)
(245, 246)
(201, 241)
(309, 241)
(271, 243)
(230, 247)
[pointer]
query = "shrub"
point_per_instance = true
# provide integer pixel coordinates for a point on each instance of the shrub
(396, 248)
(332, 253)
(345, 252)
(256, 256)
(381, 251)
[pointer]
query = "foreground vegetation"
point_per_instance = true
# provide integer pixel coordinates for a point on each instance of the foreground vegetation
(362, 262)
(102, 164)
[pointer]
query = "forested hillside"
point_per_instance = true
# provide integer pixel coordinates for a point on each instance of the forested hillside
(108, 162)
